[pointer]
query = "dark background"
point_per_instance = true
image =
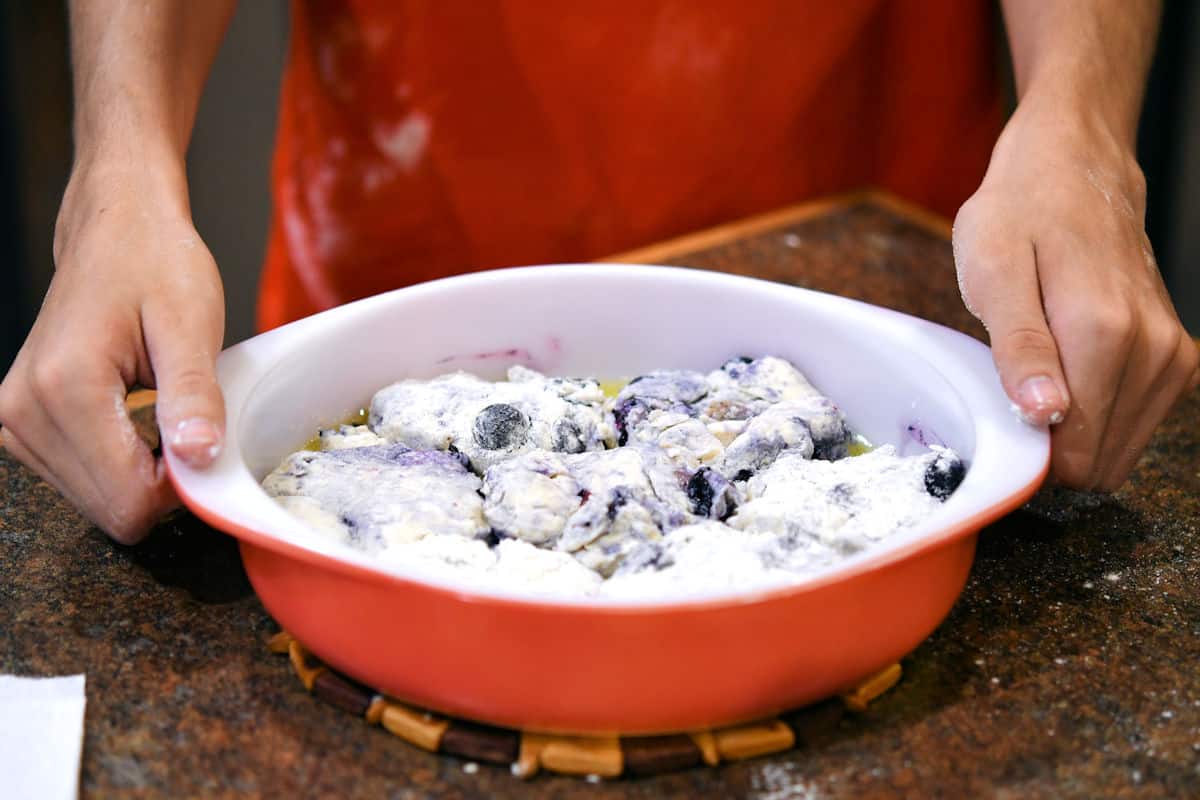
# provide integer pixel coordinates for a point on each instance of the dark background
(229, 160)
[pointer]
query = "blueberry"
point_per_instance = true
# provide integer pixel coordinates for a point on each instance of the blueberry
(943, 475)
(700, 492)
(568, 438)
(710, 493)
(619, 498)
(500, 427)
(842, 494)
(621, 413)
(832, 448)
(646, 555)
(356, 533)
(846, 547)
(493, 538)
(736, 364)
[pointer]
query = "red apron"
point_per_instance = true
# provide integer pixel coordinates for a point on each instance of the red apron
(422, 138)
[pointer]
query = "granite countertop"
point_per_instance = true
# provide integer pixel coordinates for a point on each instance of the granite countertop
(1069, 667)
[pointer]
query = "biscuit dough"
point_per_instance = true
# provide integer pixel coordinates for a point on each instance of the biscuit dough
(685, 482)
(489, 422)
(380, 495)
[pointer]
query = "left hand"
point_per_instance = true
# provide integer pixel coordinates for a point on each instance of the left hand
(1053, 258)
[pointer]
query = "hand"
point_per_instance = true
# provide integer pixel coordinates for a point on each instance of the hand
(1053, 258)
(135, 299)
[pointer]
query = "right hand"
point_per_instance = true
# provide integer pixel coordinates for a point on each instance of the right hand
(136, 299)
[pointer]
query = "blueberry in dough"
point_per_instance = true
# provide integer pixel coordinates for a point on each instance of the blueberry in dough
(459, 456)
(648, 555)
(500, 427)
(661, 390)
(842, 494)
(490, 422)
(568, 438)
(700, 492)
(710, 493)
(834, 446)
(736, 365)
(620, 497)
(944, 474)
(621, 413)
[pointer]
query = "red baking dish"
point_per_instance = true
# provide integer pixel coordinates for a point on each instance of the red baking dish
(612, 665)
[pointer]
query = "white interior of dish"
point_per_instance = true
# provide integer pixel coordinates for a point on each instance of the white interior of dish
(898, 379)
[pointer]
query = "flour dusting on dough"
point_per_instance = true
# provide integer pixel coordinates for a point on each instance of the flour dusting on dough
(683, 483)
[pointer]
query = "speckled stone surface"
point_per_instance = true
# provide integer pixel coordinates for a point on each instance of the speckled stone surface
(1069, 668)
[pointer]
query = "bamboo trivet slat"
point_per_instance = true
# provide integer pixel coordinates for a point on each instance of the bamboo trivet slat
(527, 753)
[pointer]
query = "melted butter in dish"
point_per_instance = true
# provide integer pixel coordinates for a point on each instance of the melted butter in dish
(676, 483)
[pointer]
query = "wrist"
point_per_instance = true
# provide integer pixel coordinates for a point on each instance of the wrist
(110, 185)
(1053, 131)
(158, 182)
(1065, 100)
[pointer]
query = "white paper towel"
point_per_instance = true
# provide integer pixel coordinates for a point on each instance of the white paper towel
(41, 736)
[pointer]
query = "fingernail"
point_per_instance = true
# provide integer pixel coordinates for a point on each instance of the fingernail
(1039, 401)
(197, 441)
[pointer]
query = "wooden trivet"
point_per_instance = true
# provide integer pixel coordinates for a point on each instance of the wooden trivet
(527, 753)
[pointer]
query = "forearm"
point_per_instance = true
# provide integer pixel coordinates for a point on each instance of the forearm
(139, 69)
(1084, 59)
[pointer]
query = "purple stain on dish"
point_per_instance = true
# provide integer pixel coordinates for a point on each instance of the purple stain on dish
(553, 355)
(517, 354)
(922, 435)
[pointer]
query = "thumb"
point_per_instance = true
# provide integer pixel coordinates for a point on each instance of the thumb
(1027, 360)
(191, 410)
(1001, 288)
